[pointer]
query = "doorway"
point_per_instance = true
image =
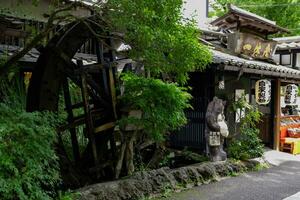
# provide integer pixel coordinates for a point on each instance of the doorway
(193, 134)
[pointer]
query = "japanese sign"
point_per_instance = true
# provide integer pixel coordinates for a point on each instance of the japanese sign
(291, 93)
(214, 138)
(263, 92)
(255, 46)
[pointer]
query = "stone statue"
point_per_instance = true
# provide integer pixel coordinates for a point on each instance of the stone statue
(216, 130)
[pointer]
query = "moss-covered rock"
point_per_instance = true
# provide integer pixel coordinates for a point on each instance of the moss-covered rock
(153, 182)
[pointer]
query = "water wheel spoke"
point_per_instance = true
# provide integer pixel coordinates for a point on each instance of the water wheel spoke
(70, 119)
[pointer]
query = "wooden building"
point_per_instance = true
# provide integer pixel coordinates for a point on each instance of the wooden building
(242, 55)
(21, 21)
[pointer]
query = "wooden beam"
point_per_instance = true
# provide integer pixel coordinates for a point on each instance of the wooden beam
(100, 58)
(88, 115)
(68, 104)
(113, 91)
(277, 114)
(105, 127)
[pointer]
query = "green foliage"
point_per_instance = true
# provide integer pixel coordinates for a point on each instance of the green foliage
(162, 104)
(261, 166)
(167, 160)
(248, 144)
(28, 164)
(158, 36)
(284, 12)
(68, 195)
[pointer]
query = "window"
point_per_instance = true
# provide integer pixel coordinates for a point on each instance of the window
(285, 59)
(276, 58)
(297, 60)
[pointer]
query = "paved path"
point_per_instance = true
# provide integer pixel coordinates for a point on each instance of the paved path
(276, 183)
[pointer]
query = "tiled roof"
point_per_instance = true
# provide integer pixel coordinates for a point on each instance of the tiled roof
(239, 17)
(33, 54)
(288, 42)
(88, 2)
(234, 63)
(238, 10)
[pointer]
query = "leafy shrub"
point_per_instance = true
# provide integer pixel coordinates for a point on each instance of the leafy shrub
(248, 144)
(28, 164)
(162, 104)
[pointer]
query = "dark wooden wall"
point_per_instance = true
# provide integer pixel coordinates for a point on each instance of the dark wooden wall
(202, 90)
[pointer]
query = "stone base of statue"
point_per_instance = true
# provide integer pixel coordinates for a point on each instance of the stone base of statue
(217, 154)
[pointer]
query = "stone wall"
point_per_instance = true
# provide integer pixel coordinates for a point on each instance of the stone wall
(151, 183)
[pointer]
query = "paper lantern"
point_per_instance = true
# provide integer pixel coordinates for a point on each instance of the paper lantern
(291, 93)
(263, 92)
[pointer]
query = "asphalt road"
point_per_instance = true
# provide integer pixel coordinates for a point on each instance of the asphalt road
(275, 183)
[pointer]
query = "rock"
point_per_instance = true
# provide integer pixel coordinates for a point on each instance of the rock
(146, 183)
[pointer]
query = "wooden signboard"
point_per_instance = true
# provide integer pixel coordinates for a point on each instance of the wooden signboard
(263, 92)
(252, 46)
(214, 139)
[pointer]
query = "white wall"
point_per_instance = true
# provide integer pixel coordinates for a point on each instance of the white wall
(196, 6)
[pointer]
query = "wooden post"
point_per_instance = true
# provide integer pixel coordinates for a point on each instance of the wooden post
(277, 114)
(112, 83)
(113, 91)
(100, 58)
(88, 114)
(68, 105)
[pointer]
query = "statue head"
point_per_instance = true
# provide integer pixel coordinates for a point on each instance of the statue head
(216, 106)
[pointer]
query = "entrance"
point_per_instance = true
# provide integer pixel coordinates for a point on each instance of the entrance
(266, 123)
(193, 134)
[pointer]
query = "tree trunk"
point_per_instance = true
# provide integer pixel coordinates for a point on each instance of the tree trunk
(120, 161)
(127, 152)
(130, 152)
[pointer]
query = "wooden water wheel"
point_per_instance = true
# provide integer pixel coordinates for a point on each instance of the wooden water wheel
(56, 69)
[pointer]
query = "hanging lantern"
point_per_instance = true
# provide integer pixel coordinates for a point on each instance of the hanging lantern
(291, 93)
(263, 92)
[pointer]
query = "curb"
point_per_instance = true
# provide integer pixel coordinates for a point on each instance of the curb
(152, 183)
